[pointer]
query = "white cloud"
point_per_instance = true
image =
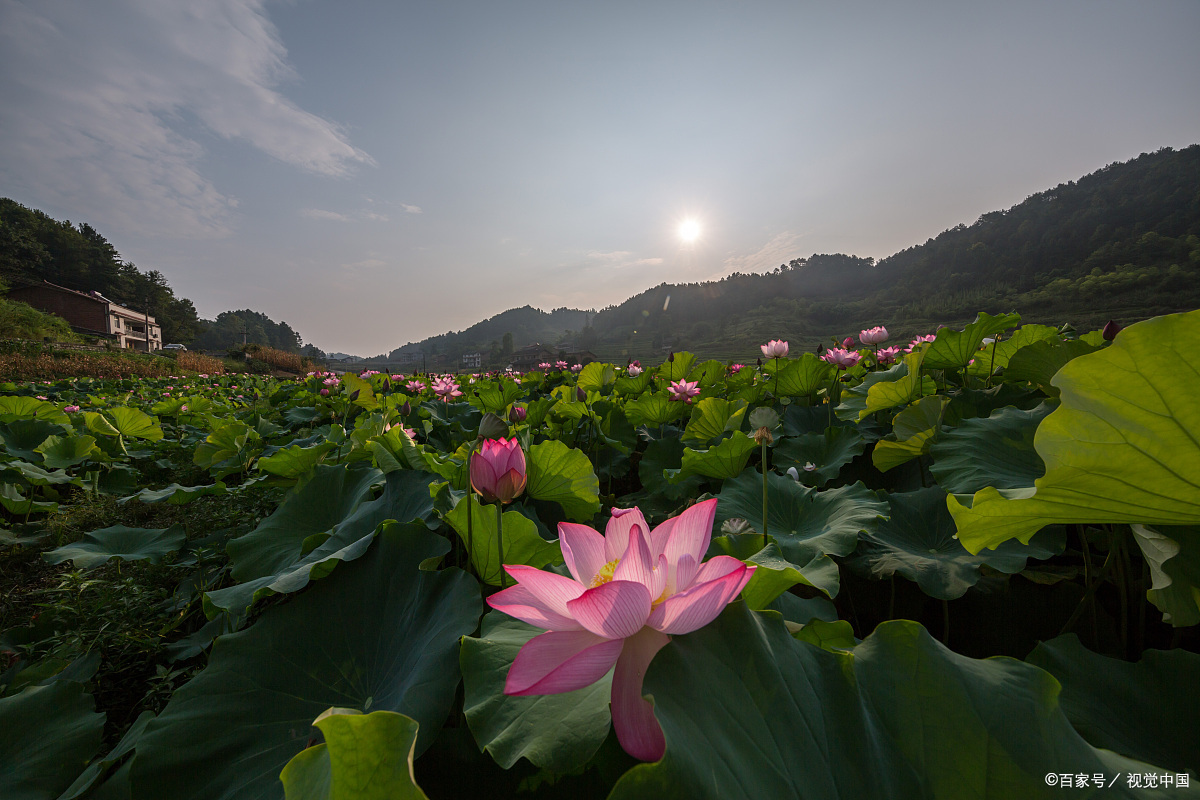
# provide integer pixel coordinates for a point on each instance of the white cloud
(320, 213)
(779, 250)
(97, 96)
(621, 259)
(411, 209)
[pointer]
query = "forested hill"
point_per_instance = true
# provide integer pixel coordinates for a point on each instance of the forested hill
(1122, 242)
(509, 330)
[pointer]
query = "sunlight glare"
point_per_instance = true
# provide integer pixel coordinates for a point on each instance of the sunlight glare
(689, 230)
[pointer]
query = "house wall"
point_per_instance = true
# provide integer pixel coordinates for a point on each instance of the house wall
(80, 311)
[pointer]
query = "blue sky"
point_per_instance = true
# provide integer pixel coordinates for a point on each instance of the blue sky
(378, 172)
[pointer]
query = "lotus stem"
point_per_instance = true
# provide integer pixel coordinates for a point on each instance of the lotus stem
(764, 471)
(500, 540)
(1091, 591)
(946, 622)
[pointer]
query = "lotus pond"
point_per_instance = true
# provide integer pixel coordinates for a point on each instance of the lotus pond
(962, 566)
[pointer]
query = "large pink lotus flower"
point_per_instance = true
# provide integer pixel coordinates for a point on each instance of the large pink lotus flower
(415, 386)
(886, 355)
(560, 364)
(876, 335)
(929, 337)
(684, 390)
(634, 370)
(629, 591)
(544, 365)
(498, 470)
(446, 388)
(842, 359)
(774, 349)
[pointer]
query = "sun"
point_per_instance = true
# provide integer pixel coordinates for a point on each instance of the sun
(689, 230)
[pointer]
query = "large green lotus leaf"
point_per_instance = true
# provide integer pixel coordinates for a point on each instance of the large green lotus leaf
(229, 448)
(953, 349)
(60, 452)
(805, 522)
(562, 475)
(708, 373)
(775, 574)
(98, 769)
(662, 456)
(712, 417)
(1145, 711)
(134, 423)
(405, 499)
(48, 734)
(990, 451)
(626, 385)
(557, 732)
(351, 383)
(15, 407)
(22, 437)
(827, 452)
(329, 497)
(749, 712)
(653, 409)
(917, 541)
(294, 461)
(118, 541)
(363, 757)
(996, 356)
(35, 475)
(803, 376)
(1122, 447)
(910, 386)
(834, 636)
(98, 423)
(1173, 555)
(853, 405)
(800, 420)
(17, 503)
(677, 367)
(175, 494)
(522, 544)
(595, 376)
(452, 467)
(916, 428)
(725, 460)
(380, 633)
(1040, 362)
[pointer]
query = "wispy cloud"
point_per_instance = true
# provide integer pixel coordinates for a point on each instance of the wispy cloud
(779, 250)
(621, 259)
(411, 209)
(98, 99)
(320, 213)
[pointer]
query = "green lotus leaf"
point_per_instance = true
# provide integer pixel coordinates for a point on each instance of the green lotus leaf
(910, 386)
(749, 712)
(169, 407)
(294, 461)
(917, 542)
(16, 407)
(563, 475)
(708, 373)
(827, 452)
(17, 503)
(175, 494)
(990, 451)
(98, 423)
(916, 428)
(800, 420)
(1145, 711)
(522, 544)
(713, 416)
(677, 368)
(595, 376)
(798, 377)
(60, 452)
(118, 541)
(35, 475)
(775, 574)
(725, 460)
(1122, 447)
(48, 734)
(834, 636)
(806, 523)
(229, 448)
(661, 457)
(953, 349)
(452, 467)
(363, 757)
(1040, 362)
(1173, 556)
(22, 437)
(379, 634)
(653, 409)
(628, 386)
(557, 732)
(853, 406)
(329, 497)
(366, 394)
(997, 355)
(135, 424)
(97, 771)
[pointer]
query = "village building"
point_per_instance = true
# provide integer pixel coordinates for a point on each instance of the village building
(93, 314)
(472, 360)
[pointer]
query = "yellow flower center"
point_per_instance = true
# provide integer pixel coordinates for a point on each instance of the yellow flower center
(605, 573)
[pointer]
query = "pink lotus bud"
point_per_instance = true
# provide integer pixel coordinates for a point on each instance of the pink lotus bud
(848, 343)
(516, 414)
(498, 470)
(634, 370)
(776, 348)
(875, 335)
(324, 393)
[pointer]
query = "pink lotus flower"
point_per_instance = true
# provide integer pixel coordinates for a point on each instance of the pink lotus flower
(498, 470)
(71, 409)
(887, 355)
(576, 367)
(629, 591)
(183, 409)
(560, 364)
(774, 349)
(683, 390)
(736, 368)
(634, 370)
(415, 386)
(842, 359)
(397, 378)
(324, 393)
(446, 388)
(875, 335)
(42, 397)
(929, 337)
(544, 365)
